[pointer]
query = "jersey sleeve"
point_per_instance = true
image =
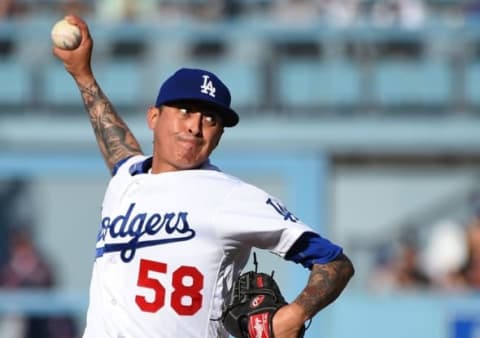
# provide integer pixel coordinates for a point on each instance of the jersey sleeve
(119, 164)
(249, 217)
(120, 179)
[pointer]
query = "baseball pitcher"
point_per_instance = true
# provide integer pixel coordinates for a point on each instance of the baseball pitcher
(176, 232)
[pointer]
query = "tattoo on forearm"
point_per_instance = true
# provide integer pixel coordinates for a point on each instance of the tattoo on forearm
(326, 282)
(114, 138)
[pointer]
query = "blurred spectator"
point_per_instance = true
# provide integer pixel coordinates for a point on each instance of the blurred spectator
(32, 9)
(7, 8)
(78, 7)
(472, 10)
(26, 268)
(232, 9)
(471, 270)
(398, 267)
(444, 255)
(407, 270)
(126, 10)
(296, 12)
(208, 11)
(256, 8)
(342, 13)
(449, 260)
(13, 8)
(14, 195)
(404, 13)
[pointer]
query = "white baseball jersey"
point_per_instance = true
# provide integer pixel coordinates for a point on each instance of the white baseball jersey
(170, 246)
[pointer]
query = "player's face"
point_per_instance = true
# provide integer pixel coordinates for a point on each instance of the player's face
(184, 136)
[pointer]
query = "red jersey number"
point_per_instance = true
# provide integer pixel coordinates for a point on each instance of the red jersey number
(187, 281)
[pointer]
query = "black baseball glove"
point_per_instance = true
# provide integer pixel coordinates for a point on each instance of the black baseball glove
(255, 299)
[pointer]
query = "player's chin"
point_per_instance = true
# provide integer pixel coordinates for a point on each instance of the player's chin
(190, 157)
(190, 162)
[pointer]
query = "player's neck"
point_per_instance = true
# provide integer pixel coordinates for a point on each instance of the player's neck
(159, 167)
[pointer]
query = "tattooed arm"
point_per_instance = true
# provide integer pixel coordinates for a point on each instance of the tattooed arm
(325, 284)
(114, 138)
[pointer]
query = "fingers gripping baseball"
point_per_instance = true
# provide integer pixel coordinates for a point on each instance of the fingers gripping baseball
(77, 60)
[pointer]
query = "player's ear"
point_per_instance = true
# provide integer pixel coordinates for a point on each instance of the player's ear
(219, 136)
(152, 115)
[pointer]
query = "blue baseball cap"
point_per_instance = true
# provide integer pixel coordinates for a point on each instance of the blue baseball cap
(189, 84)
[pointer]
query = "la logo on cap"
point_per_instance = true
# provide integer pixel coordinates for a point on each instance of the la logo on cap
(207, 86)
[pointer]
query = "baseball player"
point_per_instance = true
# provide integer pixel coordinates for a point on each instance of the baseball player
(175, 231)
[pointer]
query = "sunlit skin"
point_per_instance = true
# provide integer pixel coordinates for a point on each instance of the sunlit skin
(184, 136)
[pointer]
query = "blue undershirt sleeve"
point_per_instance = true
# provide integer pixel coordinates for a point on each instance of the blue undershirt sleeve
(311, 249)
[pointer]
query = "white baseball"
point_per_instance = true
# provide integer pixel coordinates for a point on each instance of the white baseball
(65, 35)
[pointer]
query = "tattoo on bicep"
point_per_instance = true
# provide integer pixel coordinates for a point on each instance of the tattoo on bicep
(325, 283)
(114, 138)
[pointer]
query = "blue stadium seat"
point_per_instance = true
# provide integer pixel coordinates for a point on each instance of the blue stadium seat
(422, 82)
(122, 81)
(318, 82)
(472, 83)
(16, 83)
(58, 86)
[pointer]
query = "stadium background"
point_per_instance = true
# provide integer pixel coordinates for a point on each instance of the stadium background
(361, 115)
